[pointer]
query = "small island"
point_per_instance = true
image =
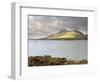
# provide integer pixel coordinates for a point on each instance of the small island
(47, 60)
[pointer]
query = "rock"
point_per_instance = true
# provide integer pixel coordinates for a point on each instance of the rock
(83, 61)
(48, 60)
(66, 63)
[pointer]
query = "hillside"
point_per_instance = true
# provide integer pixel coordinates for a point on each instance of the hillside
(68, 35)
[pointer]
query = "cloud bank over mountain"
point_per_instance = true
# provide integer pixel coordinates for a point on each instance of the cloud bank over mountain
(43, 26)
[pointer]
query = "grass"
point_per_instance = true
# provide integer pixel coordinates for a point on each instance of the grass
(48, 60)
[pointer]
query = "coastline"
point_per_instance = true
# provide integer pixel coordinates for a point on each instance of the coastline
(48, 60)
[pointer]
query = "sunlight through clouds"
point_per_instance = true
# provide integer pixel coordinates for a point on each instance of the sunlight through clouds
(43, 26)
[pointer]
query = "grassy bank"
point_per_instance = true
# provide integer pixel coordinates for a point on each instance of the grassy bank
(48, 60)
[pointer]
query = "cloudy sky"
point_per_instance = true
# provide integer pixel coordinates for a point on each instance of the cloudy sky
(42, 26)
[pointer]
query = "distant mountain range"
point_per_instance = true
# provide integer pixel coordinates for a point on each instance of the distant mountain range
(67, 35)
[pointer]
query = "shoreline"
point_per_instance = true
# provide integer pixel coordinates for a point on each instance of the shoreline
(48, 60)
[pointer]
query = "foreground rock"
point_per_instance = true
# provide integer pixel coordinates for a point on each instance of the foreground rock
(48, 60)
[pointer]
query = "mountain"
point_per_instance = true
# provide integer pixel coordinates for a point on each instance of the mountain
(63, 30)
(67, 35)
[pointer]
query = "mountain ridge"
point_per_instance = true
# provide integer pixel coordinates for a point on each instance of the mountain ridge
(67, 35)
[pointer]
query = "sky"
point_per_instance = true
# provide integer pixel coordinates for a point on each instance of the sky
(43, 26)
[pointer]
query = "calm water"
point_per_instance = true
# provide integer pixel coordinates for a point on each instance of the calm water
(72, 49)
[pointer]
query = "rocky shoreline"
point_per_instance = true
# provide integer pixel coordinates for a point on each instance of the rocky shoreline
(48, 60)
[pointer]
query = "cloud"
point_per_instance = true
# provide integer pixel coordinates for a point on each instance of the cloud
(42, 26)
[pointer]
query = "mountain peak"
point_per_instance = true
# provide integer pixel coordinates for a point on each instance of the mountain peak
(63, 30)
(68, 35)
